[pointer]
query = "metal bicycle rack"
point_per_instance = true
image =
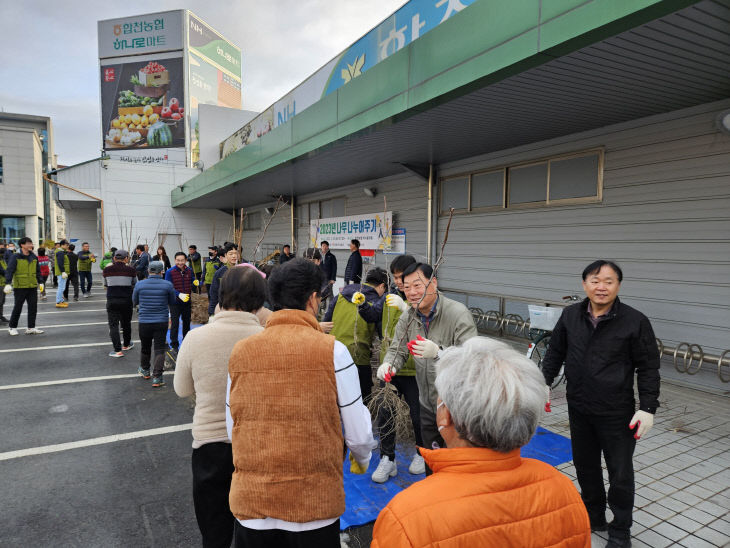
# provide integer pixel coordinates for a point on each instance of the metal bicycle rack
(688, 358)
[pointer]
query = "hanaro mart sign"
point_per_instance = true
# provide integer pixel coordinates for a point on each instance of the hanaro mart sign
(374, 231)
(151, 33)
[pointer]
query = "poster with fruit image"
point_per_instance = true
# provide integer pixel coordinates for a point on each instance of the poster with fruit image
(142, 103)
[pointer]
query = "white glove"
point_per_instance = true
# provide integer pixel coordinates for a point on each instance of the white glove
(64, 275)
(424, 348)
(385, 370)
(396, 301)
(644, 420)
(8, 289)
(184, 297)
(41, 287)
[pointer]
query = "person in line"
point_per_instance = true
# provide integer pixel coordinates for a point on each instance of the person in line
(482, 492)
(73, 273)
(202, 370)
(119, 279)
(24, 273)
(142, 263)
(277, 433)
(86, 257)
(352, 330)
(161, 255)
(108, 258)
(229, 258)
(3, 265)
(353, 270)
(45, 265)
(286, 254)
(388, 311)
(212, 264)
(196, 263)
(433, 322)
(604, 344)
(182, 279)
(154, 296)
(328, 265)
(62, 268)
(56, 246)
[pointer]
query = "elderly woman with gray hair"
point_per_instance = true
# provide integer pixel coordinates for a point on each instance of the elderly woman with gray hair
(482, 492)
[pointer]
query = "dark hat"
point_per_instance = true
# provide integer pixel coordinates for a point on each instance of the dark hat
(156, 267)
(120, 254)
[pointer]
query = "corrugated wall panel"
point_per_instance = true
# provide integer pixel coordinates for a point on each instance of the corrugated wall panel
(664, 217)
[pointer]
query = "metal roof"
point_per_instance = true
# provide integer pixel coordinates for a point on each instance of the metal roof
(674, 61)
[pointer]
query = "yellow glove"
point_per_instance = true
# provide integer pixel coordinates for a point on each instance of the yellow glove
(41, 287)
(184, 297)
(64, 275)
(196, 283)
(93, 259)
(356, 467)
(358, 298)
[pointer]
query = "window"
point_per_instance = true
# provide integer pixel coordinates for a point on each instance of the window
(252, 221)
(569, 178)
(12, 229)
(325, 209)
(1, 170)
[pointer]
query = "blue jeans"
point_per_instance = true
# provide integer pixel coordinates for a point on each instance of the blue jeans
(61, 288)
(85, 280)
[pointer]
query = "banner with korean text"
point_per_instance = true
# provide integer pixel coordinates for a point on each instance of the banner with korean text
(374, 231)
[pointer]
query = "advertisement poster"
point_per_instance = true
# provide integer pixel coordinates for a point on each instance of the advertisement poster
(142, 103)
(149, 33)
(215, 75)
(373, 230)
(410, 22)
(398, 243)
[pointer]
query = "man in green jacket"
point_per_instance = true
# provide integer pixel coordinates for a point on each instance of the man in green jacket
(3, 266)
(211, 265)
(62, 268)
(86, 257)
(25, 273)
(108, 258)
(432, 323)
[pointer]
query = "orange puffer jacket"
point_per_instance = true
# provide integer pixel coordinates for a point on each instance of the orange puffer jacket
(481, 498)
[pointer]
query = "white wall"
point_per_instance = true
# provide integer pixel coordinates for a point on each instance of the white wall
(20, 149)
(216, 124)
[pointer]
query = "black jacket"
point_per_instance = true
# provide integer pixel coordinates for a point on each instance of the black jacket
(600, 363)
(329, 266)
(73, 263)
(353, 270)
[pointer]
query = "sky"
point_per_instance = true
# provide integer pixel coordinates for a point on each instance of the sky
(49, 53)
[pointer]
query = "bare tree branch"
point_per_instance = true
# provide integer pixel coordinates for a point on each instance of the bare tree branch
(279, 203)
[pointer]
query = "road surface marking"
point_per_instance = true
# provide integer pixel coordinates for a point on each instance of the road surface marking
(70, 381)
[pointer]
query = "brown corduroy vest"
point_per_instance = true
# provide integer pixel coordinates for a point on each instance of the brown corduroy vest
(287, 434)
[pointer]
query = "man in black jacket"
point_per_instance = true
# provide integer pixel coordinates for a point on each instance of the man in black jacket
(73, 275)
(604, 343)
(353, 270)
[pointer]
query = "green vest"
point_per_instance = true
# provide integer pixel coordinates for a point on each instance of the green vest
(25, 274)
(106, 261)
(66, 266)
(196, 265)
(4, 265)
(84, 264)
(210, 269)
(352, 331)
(391, 315)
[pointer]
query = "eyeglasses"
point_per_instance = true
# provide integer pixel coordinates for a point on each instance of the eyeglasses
(249, 265)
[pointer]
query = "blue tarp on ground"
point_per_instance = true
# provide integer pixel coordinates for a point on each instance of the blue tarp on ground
(364, 498)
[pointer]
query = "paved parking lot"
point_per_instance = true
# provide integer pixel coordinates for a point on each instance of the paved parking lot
(92, 455)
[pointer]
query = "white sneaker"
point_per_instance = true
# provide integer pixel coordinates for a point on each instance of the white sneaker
(12, 332)
(33, 331)
(386, 469)
(417, 465)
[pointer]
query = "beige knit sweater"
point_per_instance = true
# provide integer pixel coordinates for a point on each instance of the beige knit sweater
(202, 369)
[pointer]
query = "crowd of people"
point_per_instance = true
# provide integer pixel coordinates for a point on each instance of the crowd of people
(284, 370)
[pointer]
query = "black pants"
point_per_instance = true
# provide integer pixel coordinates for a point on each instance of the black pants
(177, 311)
(325, 537)
(73, 279)
(589, 436)
(149, 333)
(365, 373)
(30, 296)
(212, 472)
(430, 432)
(43, 293)
(408, 390)
(85, 278)
(119, 311)
(2, 302)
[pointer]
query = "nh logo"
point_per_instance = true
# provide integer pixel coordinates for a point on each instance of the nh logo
(283, 115)
(197, 28)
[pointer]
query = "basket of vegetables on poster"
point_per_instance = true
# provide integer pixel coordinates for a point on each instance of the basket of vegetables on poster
(144, 108)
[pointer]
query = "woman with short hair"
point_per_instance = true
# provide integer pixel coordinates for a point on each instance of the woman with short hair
(202, 369)
(482, 492)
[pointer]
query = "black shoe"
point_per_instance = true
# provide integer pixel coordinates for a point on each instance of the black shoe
(614, 542)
